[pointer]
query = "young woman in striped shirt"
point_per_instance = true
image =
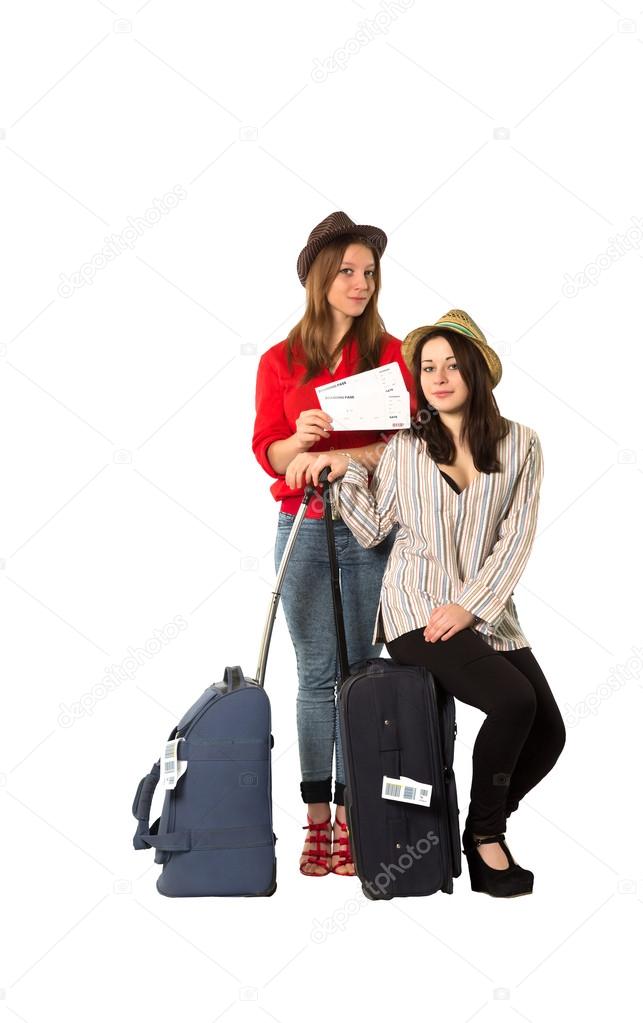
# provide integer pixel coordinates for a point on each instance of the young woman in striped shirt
(462, 488)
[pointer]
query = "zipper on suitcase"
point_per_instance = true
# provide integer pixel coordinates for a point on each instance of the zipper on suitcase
(435, 730)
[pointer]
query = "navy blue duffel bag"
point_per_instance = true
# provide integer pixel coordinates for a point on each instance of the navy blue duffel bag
(214, 835)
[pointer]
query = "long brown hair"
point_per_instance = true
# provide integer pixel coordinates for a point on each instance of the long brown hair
(306, 342)
(482, 424)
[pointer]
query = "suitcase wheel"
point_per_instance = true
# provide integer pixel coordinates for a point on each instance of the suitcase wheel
(375, 898)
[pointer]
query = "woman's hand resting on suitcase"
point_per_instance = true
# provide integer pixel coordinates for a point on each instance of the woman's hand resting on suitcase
(299, 470)
(305, 468)
(337, 460)
(446, 620)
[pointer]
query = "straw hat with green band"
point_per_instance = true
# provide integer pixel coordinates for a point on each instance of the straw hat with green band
(461, 323)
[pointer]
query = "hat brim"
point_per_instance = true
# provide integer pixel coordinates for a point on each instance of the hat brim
(412, 339)
(374, 235)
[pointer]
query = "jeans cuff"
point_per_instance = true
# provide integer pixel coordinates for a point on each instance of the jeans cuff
(316, 791)
(339, 793)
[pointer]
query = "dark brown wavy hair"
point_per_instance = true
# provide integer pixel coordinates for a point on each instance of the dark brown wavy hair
(482, 424)
(306, 342)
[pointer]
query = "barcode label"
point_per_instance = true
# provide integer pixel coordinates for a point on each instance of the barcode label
(406, 790)
(173, 768)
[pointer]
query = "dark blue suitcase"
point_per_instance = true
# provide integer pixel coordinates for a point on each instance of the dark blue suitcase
(214, 835)
(395, 720)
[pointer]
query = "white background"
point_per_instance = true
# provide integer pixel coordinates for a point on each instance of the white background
(498, 145)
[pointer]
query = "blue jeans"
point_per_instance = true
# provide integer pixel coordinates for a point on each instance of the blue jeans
(308, 608)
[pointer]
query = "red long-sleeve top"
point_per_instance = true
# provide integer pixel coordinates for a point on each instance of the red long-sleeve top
(280, 399)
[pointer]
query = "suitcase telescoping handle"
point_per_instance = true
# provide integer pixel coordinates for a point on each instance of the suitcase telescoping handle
(309, 492)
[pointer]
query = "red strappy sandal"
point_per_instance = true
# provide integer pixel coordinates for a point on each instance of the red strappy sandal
(319, 859)
(344, 852)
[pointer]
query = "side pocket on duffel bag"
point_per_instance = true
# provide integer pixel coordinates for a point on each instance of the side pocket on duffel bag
(141, 810)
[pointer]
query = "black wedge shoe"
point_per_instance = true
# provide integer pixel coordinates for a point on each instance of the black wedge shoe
(505, 883)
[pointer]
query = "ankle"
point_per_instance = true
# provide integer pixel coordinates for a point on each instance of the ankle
(319, 811)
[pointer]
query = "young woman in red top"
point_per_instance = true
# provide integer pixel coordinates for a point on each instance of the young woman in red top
(341, 333)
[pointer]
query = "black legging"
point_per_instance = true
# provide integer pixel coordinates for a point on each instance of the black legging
(523, 734)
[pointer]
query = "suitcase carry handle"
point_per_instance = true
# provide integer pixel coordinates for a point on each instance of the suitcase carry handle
(233, 677)
(143, 804)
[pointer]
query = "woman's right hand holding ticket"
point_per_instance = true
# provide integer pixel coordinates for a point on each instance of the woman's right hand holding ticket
(312, 425)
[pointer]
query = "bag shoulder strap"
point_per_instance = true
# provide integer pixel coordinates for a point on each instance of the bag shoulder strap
(344, 668)
(143, 803)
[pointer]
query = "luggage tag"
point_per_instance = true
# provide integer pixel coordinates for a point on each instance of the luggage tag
(173, 768)
(406, 790)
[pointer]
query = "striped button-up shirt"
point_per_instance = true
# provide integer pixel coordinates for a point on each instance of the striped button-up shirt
(468, 548)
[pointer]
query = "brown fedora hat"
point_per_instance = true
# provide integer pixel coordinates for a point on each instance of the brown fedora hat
(334, 226)
(460, 322)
